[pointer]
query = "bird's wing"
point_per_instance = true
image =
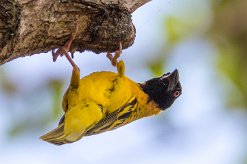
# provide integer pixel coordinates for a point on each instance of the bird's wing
(75, 123)
(115, 119)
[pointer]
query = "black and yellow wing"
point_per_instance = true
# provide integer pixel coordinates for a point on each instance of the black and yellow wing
(116, 119)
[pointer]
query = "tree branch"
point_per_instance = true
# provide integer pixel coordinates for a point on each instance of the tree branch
(29, 27)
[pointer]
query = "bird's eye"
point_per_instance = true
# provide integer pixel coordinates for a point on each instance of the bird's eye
(176, 94)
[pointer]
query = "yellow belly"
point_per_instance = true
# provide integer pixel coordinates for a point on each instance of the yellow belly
(107, 89)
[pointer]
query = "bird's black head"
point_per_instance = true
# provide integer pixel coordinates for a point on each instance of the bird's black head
(163, 90)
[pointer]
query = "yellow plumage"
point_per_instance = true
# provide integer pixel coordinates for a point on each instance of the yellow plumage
(97, 96)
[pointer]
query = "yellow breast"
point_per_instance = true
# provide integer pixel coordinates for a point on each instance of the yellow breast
(107, 89)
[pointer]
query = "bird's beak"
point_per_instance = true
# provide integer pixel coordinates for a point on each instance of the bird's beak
(173, 79)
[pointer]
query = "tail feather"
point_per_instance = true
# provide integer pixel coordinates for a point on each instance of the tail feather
(55, 136)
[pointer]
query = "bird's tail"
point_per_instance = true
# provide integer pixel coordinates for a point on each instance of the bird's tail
(56, 136)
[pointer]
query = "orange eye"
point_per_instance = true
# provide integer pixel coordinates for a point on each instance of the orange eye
(176, 93)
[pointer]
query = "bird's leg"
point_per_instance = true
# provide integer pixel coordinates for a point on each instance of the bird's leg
(119, 64)
(75, 78)
(117, 54)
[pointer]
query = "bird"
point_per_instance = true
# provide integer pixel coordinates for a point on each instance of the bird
(103, 101)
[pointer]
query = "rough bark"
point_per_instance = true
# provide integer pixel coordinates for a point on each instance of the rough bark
(30, 27)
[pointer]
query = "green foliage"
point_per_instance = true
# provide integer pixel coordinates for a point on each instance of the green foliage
(157, 67)
(42, 113)
(57, 88)
(177, 28)
(6, 85)
(229, 31)
(233, 65)
(180, 27)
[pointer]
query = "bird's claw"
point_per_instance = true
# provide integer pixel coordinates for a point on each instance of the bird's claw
(66, 48)
(117, 54)
(57, 53)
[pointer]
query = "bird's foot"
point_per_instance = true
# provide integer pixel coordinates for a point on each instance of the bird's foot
(65, 49)
(117, 54)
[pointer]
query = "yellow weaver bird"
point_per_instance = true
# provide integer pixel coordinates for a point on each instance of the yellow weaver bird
(104, 101)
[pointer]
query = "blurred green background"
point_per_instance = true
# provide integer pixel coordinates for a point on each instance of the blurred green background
(205, 40)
